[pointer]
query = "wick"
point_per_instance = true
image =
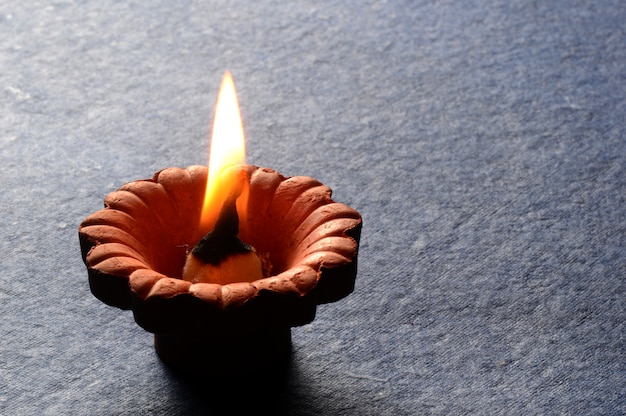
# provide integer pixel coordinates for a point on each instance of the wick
(223, 241)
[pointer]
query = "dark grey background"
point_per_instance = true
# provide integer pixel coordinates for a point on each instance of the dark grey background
(482, 141)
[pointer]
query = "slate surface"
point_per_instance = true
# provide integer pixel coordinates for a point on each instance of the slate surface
(484, 144)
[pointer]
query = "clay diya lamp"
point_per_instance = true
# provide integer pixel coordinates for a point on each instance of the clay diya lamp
(135, 250)
(220, 263)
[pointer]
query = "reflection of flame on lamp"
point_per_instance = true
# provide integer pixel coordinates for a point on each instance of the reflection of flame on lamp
(227, 149)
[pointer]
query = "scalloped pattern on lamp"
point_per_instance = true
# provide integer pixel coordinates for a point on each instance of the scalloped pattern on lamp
(135, 250)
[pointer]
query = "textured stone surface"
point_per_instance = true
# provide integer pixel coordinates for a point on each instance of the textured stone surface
(483, 143)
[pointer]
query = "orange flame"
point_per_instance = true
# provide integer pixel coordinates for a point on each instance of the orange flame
(227, 149)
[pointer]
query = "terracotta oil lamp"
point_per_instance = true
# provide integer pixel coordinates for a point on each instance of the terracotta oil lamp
(153, 249)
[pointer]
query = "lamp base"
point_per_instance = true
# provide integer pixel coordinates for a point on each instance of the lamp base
(195, 354)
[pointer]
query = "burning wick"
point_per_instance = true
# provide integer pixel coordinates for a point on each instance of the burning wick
(220, 256)
(227, 148)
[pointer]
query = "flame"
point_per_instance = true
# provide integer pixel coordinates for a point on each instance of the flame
(227, 149)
